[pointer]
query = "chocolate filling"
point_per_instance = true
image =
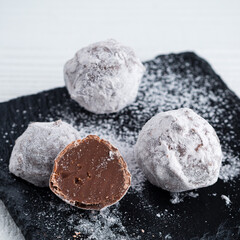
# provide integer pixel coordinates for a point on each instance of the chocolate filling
(90, 174)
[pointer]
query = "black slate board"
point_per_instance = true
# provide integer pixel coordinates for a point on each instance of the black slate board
(204, 217)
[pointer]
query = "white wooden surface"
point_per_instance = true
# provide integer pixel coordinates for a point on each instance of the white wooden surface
(37, 37)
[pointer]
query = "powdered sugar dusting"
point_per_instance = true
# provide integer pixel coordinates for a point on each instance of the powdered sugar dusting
(231, 167)
(102, 225)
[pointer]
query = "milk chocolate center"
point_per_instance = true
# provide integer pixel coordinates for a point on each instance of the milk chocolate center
(91, 173)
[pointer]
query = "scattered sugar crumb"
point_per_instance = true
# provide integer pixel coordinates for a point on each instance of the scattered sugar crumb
(193, 195)
(179, 197)
(176, 198)
(212, 194)
(227, 200)
(168, 236)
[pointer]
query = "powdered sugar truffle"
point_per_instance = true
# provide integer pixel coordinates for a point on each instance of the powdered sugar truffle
(104, 77)
(179, 150)
(34, 152)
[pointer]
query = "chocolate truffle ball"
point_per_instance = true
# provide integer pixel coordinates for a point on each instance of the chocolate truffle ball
(104, 77)
(34, 152)
(90, 174)
(178, 151)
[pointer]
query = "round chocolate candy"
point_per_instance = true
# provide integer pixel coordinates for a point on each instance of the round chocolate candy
(104, 77)
(90, 174)
(179, 151)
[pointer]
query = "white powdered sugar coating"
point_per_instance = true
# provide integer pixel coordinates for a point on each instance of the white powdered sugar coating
(104, 77)
(178, 151)
(34, 152)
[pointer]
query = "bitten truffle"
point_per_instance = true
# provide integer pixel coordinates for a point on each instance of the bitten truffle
(90, 174)
(104, 77)
(178, 151)
(35, 150)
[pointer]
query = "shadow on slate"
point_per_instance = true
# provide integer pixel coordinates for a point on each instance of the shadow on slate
(38, 212)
